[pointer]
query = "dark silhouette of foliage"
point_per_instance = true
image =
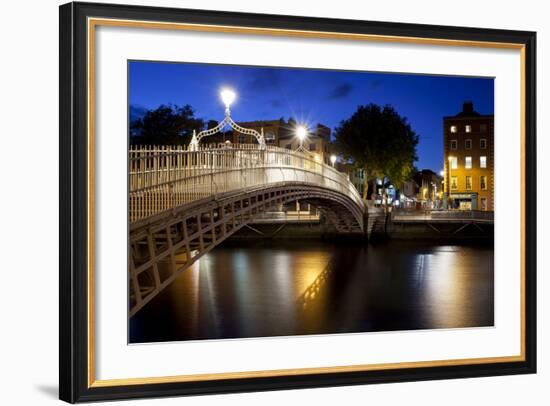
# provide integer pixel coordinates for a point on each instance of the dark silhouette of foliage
(166, 125)
(380, 141)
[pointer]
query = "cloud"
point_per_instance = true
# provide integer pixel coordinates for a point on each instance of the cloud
(340, 91)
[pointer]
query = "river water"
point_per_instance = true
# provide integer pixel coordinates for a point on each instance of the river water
(276, 288)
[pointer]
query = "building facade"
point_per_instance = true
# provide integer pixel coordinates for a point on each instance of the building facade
(430, 189)
(469, 160)
(317, 142)
(273, 130)
(282, 134)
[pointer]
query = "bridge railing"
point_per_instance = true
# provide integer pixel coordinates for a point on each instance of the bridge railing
(165, 177)
(436, 214)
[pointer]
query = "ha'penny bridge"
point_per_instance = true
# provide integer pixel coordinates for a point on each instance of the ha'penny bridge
(184, 201)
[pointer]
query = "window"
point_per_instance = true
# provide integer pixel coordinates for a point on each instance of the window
(468, 128)
(312, 147)
(468, 162)
(454, 183)
(483, 143)
(483, 128)
(483, 162)
(468, 183)
(242, 139)
(288, 146)
(454, 144)
(468, 144)
(454, 162)
(483, 183)
(269, 137)
(483, 203)
(453, 129)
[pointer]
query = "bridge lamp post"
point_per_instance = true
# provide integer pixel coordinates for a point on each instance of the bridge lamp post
(301, 133)
(333, 160)
(228, 96)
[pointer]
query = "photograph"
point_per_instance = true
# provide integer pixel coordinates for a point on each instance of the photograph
(282, 201)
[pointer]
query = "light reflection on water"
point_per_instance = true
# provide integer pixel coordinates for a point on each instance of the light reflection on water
(270, 289)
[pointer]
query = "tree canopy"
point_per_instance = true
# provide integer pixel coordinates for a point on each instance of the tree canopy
(166, 125)
(380, 141)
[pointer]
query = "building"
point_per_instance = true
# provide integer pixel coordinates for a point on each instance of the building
(409, 194)
(356, 175)
(282, 134)
(317, 142)
(469, 160)
(272, 129)
(430, 189)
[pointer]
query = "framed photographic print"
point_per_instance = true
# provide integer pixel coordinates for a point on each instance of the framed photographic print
(254, 202)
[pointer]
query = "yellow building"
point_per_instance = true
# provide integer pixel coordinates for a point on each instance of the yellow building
(469, 160)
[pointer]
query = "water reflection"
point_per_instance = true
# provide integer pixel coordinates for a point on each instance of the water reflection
(269, 288)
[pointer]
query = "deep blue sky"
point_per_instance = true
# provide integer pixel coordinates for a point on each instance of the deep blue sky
(311, 96)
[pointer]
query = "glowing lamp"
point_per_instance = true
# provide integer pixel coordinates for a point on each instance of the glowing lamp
(228, 97)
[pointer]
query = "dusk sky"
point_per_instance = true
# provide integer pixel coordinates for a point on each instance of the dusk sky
(311, 96)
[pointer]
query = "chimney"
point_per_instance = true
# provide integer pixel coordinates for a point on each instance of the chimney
(468, 107)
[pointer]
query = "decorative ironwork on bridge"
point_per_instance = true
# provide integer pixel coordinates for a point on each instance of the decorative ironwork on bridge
(228, 96)
(184, 201)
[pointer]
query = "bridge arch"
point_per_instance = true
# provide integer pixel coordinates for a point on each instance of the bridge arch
(184, 203)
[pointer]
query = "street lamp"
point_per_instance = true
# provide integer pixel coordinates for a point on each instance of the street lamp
(301, 133)
(228, 96)
(333, 159)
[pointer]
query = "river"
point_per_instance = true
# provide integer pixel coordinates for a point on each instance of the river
(276, 288)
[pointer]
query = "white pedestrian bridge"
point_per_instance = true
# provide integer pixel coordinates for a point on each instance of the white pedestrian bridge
(183, 202)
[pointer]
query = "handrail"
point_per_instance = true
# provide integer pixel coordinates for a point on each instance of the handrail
(163, 178)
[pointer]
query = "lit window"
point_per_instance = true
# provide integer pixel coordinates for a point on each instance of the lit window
(454, 162)
(483, 162)
(483, 182)
(468, 162)
(468, 144)
(453, 129)
(483, 143)
(454, 183)
(468, 183)
(468, 128)
(454, 144)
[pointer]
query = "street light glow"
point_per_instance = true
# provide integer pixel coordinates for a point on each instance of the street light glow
(301, 133)
(333, 159)
(228, 97)
(441, 173)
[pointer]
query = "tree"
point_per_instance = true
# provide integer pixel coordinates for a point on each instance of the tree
(379, 141)
(166, 125)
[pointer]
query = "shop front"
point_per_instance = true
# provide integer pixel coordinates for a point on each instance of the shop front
(463, 201)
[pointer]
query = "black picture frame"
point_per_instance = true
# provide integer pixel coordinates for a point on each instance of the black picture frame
(74, 383)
